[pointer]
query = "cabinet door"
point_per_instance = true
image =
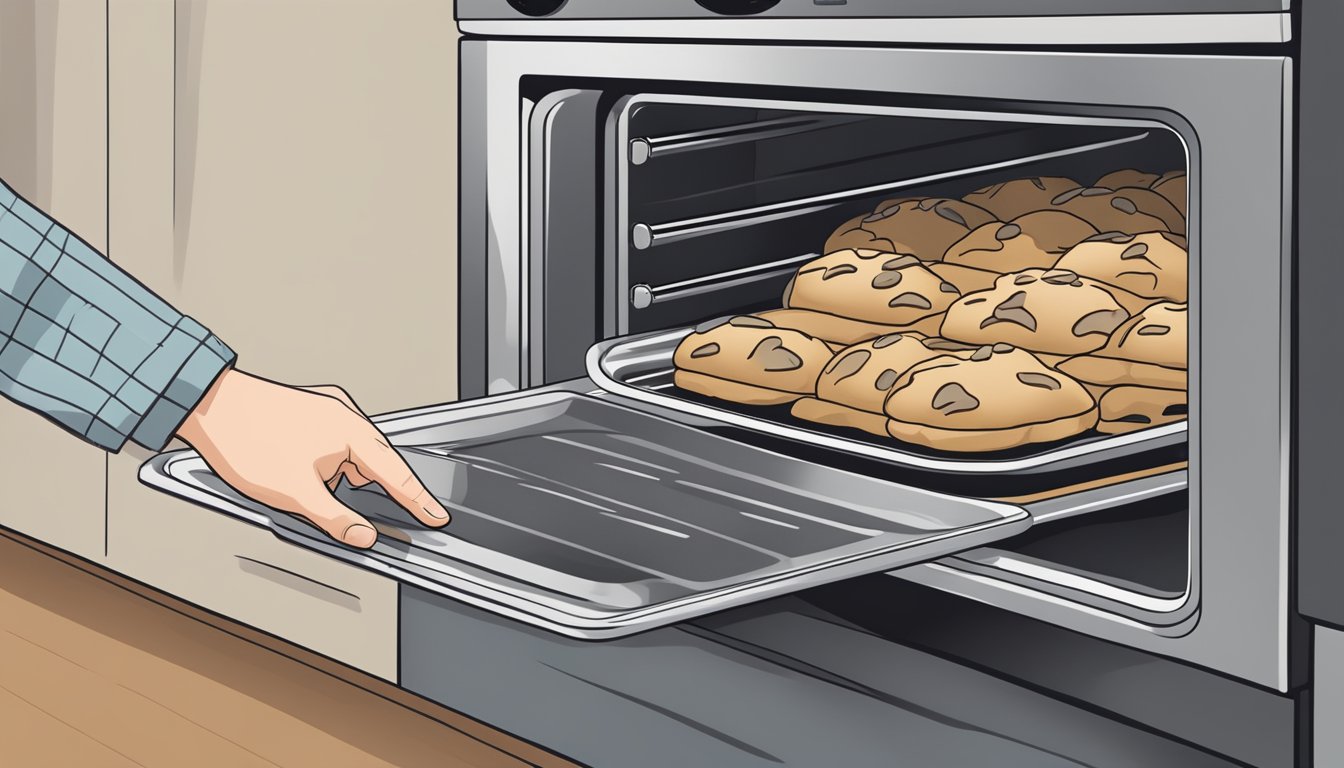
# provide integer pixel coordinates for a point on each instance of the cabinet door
(285, 173)
(53, 151)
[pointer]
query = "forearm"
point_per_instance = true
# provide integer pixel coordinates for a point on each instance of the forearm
(88, 346)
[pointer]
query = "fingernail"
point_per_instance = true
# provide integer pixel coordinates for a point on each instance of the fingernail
(360, 535)
(437, 512)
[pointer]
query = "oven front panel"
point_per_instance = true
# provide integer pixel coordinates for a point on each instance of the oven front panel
(1232, 113)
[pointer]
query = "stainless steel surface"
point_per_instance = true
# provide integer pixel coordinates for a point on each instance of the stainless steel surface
(646, 235)
(640, 368)
(1234, 114)
(595, 520)
(872, 10)
(644, 296)
(1133, 29)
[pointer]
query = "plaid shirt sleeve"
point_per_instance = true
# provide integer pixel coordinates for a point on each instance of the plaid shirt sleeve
(86, 345)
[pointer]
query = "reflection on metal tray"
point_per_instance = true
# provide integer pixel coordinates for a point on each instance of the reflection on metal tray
(597, 520)
(640, 367)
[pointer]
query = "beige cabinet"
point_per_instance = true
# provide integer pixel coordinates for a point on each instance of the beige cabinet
(285, 173)
(53, 150)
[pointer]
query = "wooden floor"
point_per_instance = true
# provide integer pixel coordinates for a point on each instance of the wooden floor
(93, 674)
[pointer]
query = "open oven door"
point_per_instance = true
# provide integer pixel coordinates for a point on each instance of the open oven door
(596, 517)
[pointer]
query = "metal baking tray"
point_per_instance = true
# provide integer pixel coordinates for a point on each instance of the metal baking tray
(640, 367)
(596, 520)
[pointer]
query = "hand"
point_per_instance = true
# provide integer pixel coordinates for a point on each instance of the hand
(288, 448)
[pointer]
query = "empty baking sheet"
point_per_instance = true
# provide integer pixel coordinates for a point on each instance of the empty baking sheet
(596, 520)
(640, 367)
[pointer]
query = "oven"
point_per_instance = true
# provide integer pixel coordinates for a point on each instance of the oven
(626, 177)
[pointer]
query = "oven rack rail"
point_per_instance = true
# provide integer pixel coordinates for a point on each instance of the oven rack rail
(643, 296)
(644, 235)
(646, 148)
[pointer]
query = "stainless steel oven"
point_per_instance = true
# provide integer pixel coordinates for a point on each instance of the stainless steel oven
(627, 174)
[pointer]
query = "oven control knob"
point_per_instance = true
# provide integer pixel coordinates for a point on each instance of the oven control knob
(537, 7)
(738, 7)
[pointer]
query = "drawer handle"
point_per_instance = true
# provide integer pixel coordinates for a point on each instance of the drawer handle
(299, 583)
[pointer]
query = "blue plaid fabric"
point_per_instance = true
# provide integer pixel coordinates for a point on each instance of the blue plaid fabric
(84, 344)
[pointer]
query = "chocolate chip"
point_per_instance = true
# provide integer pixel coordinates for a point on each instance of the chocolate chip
(1177, 409)
(1007, 232)
(1001, 348)
(839, 269)
(900, 262)
(707, 350)
(1012, 310)
(1110, 237)
(886, 380)
(887, 280)
(940, 344)
(1067, 196)
(1059, 277)
(1038, 183)
(868, 253)
(973, 302)
(1102, 321)
(882, 342)
(1096, 191)
(882, 214)
(710, 325)
(982, 354)
(951, 215)
(788, 291)
(953, 398)
(1154, 330)
(948, 288)
(1135, 251)
(909, 299)
(1077, 284)
(1124, 205)
(1024, 280)
(929, 203)
(1041, 380)
(1134, 418)
(750, 321)
(775, 356)
(849, 364)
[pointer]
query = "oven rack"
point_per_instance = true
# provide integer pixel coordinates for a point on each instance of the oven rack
(643, 296)
(644, 235)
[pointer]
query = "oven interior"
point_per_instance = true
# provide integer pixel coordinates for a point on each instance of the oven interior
(654, 209)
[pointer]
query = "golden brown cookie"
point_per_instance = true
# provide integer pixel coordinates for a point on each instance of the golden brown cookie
(842, 330)
(747, 359)
(1127, 178)
(1014, 198)
(1033, 241)
(871, 286)
(924, 227)
(1152, 264)
(836, 415)
(1128, 210)
(1126, 409)
(1147, 351)
(1173, 187)
(997, 398)
(1051, 311)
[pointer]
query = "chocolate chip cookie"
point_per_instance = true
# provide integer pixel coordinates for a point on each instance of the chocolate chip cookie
(1153, 264)
(997, 398)
(1129, 210)
(1053, 311)
(1014, 198)
(1126, 409)
(1033, 241)
(747, 359)
(924, 228)
(872, 286)
(1147, 351)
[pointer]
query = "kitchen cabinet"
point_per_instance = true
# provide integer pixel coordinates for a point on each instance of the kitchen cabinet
(285, 173)
(53, 150)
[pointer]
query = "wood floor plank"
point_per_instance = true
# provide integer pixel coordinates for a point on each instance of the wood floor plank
(162, 689)
(37, 739)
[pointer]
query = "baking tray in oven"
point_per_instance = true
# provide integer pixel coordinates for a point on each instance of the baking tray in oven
(640, 367)
(594, 519)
